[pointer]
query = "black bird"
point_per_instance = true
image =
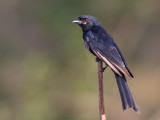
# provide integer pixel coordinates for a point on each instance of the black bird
(102, 45)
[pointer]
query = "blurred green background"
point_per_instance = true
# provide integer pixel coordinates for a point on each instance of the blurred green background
(47, 74)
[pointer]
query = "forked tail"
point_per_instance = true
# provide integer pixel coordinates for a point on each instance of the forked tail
(125, 93)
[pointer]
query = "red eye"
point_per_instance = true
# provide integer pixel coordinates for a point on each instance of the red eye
(87, 20)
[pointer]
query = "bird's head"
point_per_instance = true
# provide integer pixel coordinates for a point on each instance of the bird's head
(86, 22)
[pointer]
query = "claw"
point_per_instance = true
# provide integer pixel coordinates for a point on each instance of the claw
(104, 68)
(97, 59)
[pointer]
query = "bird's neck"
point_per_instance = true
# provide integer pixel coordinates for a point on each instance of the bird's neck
(85, 29)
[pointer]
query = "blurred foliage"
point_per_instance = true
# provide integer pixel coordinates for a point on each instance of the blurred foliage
(46, 72)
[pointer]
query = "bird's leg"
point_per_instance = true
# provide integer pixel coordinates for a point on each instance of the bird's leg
(97, 60)
(104, 68)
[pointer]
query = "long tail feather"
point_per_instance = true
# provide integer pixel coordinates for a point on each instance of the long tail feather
(125, 93)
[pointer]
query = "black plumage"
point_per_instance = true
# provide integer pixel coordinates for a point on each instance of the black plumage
(101, 44)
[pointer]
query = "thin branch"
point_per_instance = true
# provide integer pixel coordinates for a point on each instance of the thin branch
(100, 85)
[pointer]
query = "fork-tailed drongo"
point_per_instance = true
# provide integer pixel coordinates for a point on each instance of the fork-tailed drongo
(102, 45)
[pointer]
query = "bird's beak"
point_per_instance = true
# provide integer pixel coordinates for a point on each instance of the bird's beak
(77, 21)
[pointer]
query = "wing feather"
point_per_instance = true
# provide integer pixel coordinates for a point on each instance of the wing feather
(108, 52)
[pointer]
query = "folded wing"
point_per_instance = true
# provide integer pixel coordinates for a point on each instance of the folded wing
(103, 46)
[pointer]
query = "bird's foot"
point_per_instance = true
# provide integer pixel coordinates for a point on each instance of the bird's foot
(97, 59)
(104, 68)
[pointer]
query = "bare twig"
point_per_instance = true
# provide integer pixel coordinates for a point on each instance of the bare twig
(100, 85)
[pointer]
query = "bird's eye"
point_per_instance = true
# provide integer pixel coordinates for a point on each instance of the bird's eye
(87, 20)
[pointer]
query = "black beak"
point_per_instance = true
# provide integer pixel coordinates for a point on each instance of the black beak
(77, 21)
